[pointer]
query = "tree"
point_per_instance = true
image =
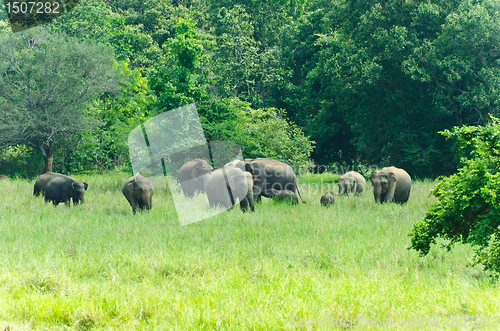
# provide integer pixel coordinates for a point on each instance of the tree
(468, 210)
(181, 80)
(259, 132)
(45, 84)
(399, 72)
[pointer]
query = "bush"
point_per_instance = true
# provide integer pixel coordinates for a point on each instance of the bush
(259, 132)
(469, 201)
(21, 161)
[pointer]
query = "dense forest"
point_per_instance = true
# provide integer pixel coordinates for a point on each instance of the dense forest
(302, 81)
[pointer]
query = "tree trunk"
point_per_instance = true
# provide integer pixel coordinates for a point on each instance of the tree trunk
(48, 157)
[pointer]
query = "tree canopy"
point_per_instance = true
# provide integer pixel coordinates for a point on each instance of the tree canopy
(46, 82)
(372, 82)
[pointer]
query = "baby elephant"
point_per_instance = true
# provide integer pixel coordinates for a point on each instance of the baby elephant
(139, 192)
(61, 188)
(328, 199)
(284, 195)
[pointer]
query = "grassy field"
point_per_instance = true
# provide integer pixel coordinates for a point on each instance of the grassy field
(98, 267)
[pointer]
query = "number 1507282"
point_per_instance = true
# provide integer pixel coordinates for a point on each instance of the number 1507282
(32, 7)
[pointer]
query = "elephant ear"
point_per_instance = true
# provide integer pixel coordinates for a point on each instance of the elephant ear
(233, 176)
(85, 185)
(392, 177)
(131, 186)
(195, 170)
(249, 168)
(372, 176)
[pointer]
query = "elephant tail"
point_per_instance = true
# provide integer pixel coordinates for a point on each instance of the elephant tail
(299, 194)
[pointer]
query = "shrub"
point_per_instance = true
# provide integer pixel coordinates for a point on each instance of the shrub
(259, 132)
(468, 210)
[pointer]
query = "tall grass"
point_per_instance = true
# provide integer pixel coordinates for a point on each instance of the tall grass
(98, 267)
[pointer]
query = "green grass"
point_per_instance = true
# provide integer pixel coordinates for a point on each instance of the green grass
(98, 267)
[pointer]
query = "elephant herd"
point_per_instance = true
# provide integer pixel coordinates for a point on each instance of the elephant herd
(247, 180)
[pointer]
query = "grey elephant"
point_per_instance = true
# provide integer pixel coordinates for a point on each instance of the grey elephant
(328, 199)
(41, 182)
(237, 164)
(352, 182)
(226, 184)
(138, 190)
(193, 176)
(270, 174)
(284, 195)
(64, 188)
(391, 184)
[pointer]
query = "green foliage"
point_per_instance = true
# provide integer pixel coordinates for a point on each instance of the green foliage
(180, 81)
(399, 72)
(48, 81)
(106, 146)
(259, 132)
(469, 201)
(95, 20)
(21, 161)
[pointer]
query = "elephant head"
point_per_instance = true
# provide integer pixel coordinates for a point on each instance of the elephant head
(241, 185)
(193, 176)
(77, 191)
(199, 171)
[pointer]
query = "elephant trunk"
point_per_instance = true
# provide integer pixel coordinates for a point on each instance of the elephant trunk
(250, 201)
(377, 191)
(341, 189)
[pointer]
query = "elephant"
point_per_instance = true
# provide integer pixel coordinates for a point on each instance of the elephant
(391, 184)
(352, 182)
(239, 184)
(328, 199)
(63, 188)
(193, 176)
(138, 190)
(41, 182)
(237, 164)
(284, 195)
(270, 174)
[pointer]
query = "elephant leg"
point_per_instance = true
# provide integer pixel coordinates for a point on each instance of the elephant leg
(134, 204)
(244, 204)
(354, 188)
(248, 200)
(389, 195)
